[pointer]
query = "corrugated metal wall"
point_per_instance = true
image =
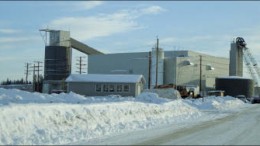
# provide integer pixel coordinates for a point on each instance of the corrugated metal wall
(235, 86)
(57, 64)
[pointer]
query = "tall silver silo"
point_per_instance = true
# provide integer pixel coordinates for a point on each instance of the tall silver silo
(234, 86)
(57, 64)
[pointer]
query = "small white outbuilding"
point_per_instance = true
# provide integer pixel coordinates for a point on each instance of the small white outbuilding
(105, 84)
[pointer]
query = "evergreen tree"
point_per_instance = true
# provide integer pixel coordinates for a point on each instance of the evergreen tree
(21, 81)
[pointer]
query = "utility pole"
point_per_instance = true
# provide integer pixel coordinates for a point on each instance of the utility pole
(80, 64)
(149, 69)
(38, 74)
(27, 72)
(36, 82)
(157, 56)
(200, 73)
(33, 77)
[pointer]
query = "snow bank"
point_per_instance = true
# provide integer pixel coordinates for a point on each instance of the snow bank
(8, 96)
(151, 98)
(169, 93)
(216, 103)
(34, 118)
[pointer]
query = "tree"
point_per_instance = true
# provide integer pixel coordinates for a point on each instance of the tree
(21, 81)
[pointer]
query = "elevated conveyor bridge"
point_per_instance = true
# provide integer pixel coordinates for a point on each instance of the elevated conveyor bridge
(250, 61)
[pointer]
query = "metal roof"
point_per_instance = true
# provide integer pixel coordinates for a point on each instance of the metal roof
(109, 78)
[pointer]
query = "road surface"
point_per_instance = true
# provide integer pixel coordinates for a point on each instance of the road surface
(239, 128)
(242, 128)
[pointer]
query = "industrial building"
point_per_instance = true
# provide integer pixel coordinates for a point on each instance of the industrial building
(105, 84)
(57, 61)
(187, 68)
(235, 84)
(184, 67)
(158, 67)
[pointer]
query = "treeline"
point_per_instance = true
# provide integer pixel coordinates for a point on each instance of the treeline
(15, 82)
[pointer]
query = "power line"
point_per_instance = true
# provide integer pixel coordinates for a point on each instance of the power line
(81, 65)
(27, 71)
(36, 78)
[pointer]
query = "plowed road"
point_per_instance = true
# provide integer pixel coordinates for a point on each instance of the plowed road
(239, 128)
(242, 128)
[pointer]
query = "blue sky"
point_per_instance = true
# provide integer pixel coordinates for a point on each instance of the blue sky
(125, 26)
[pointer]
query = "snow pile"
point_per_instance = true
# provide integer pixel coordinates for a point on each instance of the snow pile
(216, 103)
(166, 93)
(151, 98)
(23, 97)
(34, 118)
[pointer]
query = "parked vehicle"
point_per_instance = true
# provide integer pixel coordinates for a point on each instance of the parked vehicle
(243, 98)
(216, 93)
(57, 91)
(185, 91)
(255, 100)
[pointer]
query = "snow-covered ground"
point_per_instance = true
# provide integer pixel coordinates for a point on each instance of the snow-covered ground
(35, 118)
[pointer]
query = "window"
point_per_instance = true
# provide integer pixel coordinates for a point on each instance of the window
(98, 88)
(111, 88)
(105, 88)
(119, 88)
(209, 67)
(126, 88)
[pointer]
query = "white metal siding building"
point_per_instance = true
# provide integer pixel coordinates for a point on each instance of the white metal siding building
(174, 67)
